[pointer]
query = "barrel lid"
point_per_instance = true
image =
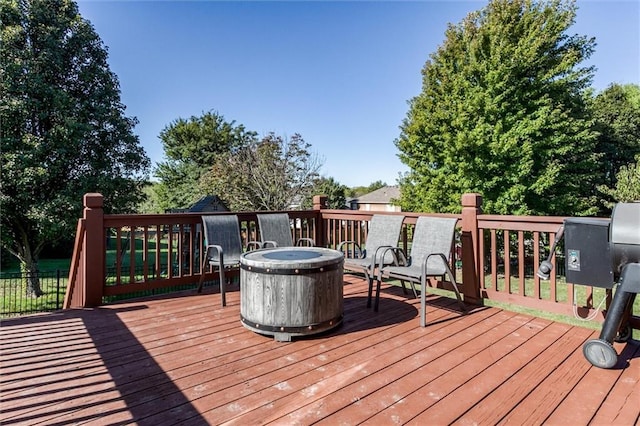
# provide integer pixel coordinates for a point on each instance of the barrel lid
(292, 257)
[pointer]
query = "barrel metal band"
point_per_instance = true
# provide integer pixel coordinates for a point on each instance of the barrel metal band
(298, 330)
(291, 270)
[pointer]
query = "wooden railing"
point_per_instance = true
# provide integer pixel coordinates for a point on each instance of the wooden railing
(496, 256)
(511, 250)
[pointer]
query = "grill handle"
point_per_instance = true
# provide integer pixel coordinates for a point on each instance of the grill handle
(545, 268)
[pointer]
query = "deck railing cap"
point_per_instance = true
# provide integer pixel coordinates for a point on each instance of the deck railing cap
(93, 200)
(471, 199)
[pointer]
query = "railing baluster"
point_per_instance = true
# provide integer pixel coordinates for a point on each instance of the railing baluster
(132, 254)
(521, 263)
(536, 262)
(507, 261)
(118, 255)
(145, 253)
(158, 251)
(494, 260)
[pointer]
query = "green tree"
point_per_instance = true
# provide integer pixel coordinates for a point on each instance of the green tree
(274, 174)
(191, 147)
(151, 203)
(617, 119)
(63, 131)
(627, 186)
(335, 192)
(502, 112)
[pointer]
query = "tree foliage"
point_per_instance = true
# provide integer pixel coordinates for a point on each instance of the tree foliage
(150, 204)
(502, 112)
(616, 112)
(63, 127)
(274, 174)
(191, 147)
(335, 192)
(627, 186)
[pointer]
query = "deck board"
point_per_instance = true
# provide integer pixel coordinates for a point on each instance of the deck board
(183, 359)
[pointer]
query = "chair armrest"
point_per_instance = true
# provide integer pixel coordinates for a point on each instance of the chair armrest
(377, 256)
(354, 246)
(309, 242)
(399, 258)
(266, 244)
(254, 245)
(444, 258)
(217, 249)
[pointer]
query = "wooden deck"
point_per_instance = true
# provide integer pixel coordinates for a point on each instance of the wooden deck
(185, 360)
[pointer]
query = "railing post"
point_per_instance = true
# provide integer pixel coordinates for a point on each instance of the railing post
(319, 203)
(471, 274)
(94, 253)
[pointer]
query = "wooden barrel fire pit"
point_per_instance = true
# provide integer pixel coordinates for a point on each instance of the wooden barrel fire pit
(291, 291)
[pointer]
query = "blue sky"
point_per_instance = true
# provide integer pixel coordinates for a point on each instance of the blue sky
(339, 73)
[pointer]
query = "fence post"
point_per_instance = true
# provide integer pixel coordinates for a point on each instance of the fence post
(471, 274)
(319, 203)
(94, 253)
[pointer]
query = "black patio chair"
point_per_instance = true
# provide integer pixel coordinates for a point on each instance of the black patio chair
(223, 247)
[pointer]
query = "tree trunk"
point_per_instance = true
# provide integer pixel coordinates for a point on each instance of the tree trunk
(30, 275)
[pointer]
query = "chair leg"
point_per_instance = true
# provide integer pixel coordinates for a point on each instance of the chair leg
(455, 288)
(370, 291)
(423, 301)
(202, 272)
(222, 283)
(377, 304)
(413, 287)
(404, 287)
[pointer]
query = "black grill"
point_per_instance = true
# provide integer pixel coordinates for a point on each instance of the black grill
(601, 253)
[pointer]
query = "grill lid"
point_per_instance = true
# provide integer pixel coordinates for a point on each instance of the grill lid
(625, 224)
(624, 235)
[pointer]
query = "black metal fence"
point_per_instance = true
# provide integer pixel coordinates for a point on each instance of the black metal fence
(15, 298)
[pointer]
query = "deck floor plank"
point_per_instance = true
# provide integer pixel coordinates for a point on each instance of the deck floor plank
(621, 405)
(483, 380)
(325, 381)
(183, 359)
(448, 374)
(588, 394)
(220, 385)
(377, 392)
(511, 392)
(329, 356)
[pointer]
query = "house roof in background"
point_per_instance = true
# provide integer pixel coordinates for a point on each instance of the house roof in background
(383, 195)
(206, 204)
